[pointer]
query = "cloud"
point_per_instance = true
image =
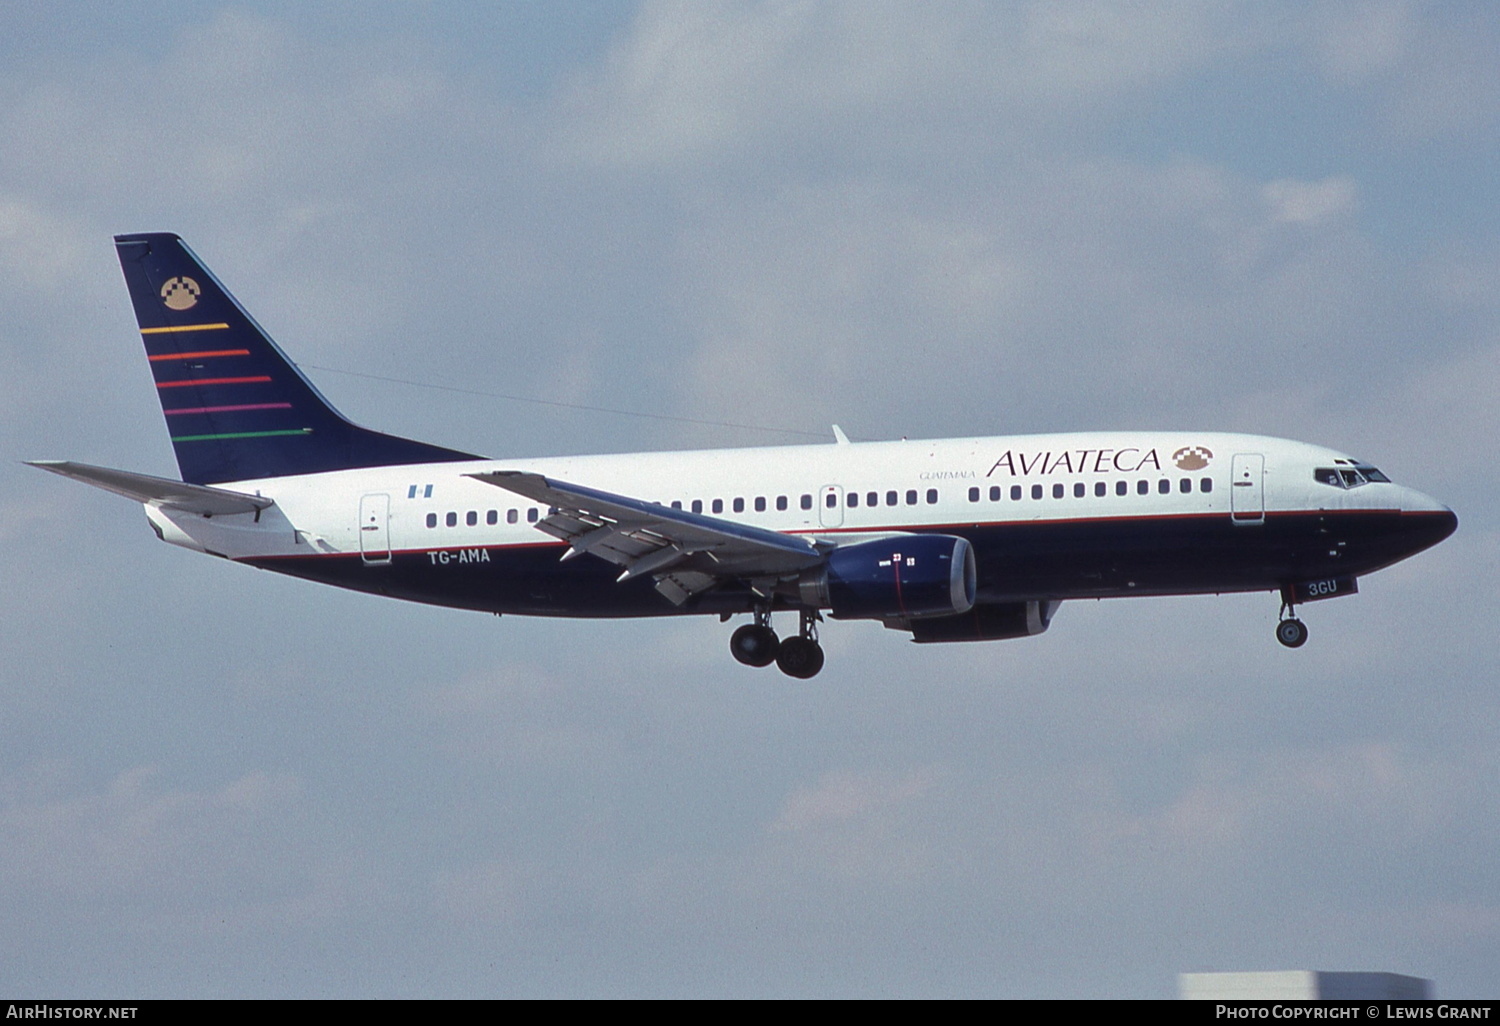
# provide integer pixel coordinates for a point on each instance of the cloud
(1294, 202)
(841, 796)
(696, 81)
(133, 840)
(1113, 288)
(1359, 41)
(1429, 67)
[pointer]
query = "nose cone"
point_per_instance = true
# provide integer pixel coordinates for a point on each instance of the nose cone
(1425, 521)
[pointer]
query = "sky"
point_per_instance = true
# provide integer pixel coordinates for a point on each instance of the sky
(739, 223)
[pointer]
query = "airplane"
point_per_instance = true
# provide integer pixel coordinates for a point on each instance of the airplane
(969, 539)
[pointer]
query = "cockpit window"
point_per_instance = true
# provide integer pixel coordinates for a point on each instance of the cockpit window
(1349, 476)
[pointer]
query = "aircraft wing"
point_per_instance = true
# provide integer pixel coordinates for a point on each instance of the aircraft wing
(686, 552)
(158, 491)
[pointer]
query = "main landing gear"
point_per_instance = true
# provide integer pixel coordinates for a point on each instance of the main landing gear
(756, 644)
(1290, 631)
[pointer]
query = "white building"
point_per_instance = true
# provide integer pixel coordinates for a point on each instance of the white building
(1302, 985)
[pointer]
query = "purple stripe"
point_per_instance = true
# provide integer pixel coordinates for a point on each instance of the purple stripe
(231, 409)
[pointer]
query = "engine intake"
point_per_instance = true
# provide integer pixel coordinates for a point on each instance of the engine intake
(907, 577)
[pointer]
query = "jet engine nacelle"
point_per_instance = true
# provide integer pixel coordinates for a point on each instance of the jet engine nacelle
(989, 622)
(906, 577)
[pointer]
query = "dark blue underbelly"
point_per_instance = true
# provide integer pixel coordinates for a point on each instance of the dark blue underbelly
(1097, 558)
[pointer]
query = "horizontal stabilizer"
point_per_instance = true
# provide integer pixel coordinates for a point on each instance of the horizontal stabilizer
(158, 491)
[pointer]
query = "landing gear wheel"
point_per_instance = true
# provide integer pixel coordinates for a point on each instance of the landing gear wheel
(754, 645)
(1291, 633)
(800, 657)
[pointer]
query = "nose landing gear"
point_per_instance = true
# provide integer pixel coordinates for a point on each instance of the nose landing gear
(1290, 631)
(756, 644)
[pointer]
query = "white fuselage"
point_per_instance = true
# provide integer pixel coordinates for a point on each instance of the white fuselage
(440, 513)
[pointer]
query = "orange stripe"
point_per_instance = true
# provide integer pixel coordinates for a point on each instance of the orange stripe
(200, 356)
(183, 327)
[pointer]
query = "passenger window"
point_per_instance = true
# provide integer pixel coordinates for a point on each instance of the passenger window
(1100, 488)
(1057, 491)
(891, 498)
(872, 499)
(1164, 486)
(1122, 487)
(1143, 487)
(451, 519)
(781, 502)
(832, 501)
(911, 497)
(492, 517)
(1078, 490)
(1185, 485)
(932, 496)
(511, 516)
(807, 502)
(432, 520)
(718, 506)
(472, 518)
(973, 494)
(1206, 484)
(852, 499)
(739, 505)
(697, 505)
(1036, 491)
(676, 503)
(1015, 493)
(532, 516)
(994, 493)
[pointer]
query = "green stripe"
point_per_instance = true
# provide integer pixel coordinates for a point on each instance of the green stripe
(240, 434)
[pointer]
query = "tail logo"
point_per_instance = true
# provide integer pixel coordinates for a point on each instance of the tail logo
(180, 293)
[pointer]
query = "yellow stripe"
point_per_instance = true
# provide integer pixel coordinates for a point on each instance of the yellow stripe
(184, 327)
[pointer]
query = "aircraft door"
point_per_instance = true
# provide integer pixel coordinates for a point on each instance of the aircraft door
(831, 506)
(1247, 498)
(375, 529)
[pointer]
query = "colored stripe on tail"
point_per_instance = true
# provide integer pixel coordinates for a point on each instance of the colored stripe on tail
(237, 409)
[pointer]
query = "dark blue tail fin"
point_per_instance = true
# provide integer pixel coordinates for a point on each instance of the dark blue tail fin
(237, 409)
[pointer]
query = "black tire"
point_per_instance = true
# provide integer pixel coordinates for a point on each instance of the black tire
(800, 657)
(754, 645)
(1291, 633)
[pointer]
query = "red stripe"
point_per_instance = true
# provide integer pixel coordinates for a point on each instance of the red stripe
(199, 356)
(212, 381)
(966, 525)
